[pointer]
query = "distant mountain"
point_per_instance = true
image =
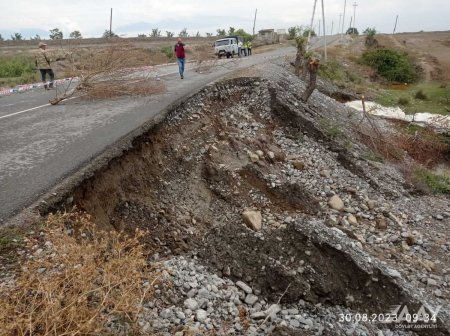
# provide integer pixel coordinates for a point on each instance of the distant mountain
(199, 23)
(27, 33)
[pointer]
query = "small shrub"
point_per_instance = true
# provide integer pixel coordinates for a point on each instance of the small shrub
(372, 156)
(421, 95)
(393, 65)
(168, 51)
(331, 129)
(403, 101)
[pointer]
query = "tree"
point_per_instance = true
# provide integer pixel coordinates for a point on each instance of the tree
(221, 32)
(169, 33)
(306, 32)
(142, 35)
(16, 37)
(75, 35)
(198, 34)
(183, 33)
(292, 33)
(36, 38)
(209, 34)
(108, 34)
(56, 34)
(1, 38)
(231, 31)
(155, 32)
(352, 31)
(244, 34)
(313, 66)
(370, 37)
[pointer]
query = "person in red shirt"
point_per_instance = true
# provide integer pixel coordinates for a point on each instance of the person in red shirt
(181, 56)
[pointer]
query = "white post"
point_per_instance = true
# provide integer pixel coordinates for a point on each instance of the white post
(343, 20)
(311, 25)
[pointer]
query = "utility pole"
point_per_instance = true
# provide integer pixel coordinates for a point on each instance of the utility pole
(311, 25)
(332, 24)
(324, 32)
(395, 26)
(254, 21)
(354, 16)
(110, 24)
(339, 27)
(319, 28)
(343, 19)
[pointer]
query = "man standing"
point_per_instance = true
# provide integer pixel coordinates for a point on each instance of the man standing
(240, 48)
(249, 48)
(181, 56)
(42, 61)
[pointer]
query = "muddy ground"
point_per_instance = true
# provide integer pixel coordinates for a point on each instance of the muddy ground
(250, 144)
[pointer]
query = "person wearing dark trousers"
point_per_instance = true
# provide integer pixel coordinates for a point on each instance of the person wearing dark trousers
(181, 56)
(42, 62)
(249, 48)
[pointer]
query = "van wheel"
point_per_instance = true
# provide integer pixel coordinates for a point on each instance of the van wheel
(229, 55)
(220, 56)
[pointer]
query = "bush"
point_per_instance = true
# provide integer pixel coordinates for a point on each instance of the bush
(11, 67)
(403, 101)
(436, 183)
(392, 64)
(168, 51)
(421, 95)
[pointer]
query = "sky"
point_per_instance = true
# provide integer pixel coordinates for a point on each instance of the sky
(134, 17)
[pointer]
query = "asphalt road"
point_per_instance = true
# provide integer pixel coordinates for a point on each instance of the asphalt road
(41, 144)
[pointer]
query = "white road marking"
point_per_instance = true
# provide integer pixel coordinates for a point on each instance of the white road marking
(30, 109)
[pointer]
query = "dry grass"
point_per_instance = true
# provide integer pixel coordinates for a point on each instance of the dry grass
(78, 281)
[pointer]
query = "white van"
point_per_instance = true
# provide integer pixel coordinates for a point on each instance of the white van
(228, 46)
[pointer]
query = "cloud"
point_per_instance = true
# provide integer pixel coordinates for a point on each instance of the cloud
(139, 16)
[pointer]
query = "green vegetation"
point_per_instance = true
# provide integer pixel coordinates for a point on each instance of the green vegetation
(331, 129)
(56, 34)
(394, 65)
(424, 97)
(372, 156)
(10, 237)
(17, 70)
(168, 51)
(335, 72)
(352, 31)
(436, 183)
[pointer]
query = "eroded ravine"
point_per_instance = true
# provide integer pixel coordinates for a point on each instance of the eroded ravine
(227, 149)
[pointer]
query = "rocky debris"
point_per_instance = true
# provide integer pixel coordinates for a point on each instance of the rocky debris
(270, 152)
(336, 203)
(253, 219)
(224, 310)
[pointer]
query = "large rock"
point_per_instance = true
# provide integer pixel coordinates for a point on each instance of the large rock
(253, 219)
(336, 203)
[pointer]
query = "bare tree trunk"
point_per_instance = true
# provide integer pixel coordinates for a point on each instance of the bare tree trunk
(298, 63)
(301, 50)
(313, 66)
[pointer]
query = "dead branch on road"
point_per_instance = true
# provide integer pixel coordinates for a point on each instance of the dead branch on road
(108, 73)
